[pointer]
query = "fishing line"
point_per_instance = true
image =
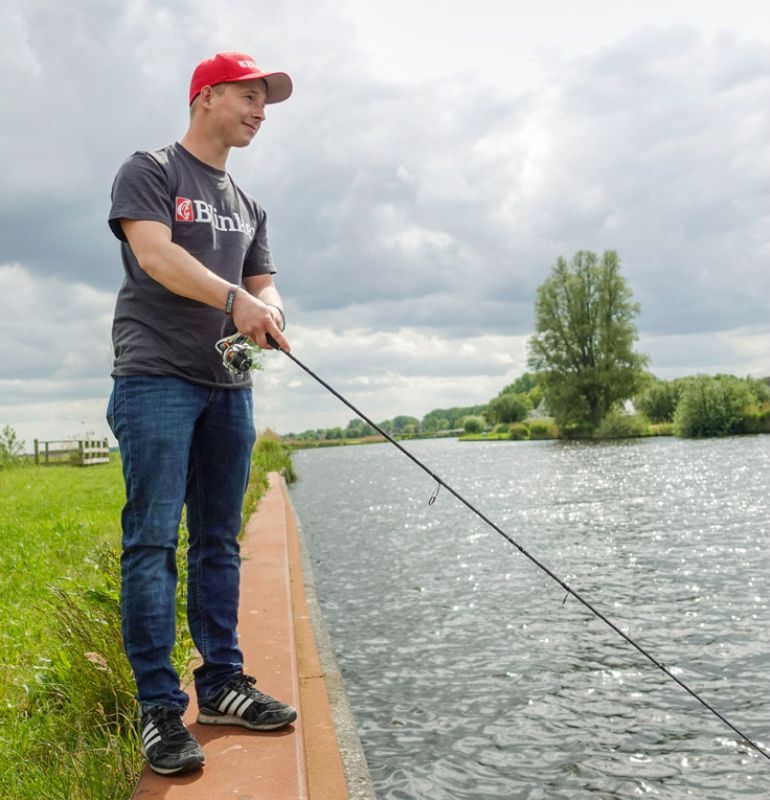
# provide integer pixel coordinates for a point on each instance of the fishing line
(524, 552)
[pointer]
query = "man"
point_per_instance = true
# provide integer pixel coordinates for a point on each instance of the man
(197, 268)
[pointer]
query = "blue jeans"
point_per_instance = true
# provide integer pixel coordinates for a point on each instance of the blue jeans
(181, 444)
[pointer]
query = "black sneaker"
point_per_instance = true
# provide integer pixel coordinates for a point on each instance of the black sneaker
(166, 743)
(240, 704)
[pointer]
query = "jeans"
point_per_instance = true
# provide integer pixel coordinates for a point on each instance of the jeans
(181, 444)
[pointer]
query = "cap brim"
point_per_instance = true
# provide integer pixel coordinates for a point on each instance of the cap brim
(279, 85)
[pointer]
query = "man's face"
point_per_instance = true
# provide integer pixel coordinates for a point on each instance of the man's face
(238, 110)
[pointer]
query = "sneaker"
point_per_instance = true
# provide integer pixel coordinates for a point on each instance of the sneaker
(166, 743)
(240, 704)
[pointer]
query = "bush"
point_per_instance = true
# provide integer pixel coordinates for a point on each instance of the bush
(473, 424)
(756, 419)
(711, 406)
(270, 454)
(616, 425)
(503, 427)
(658, 402)
(578, 430)
(543, 429)
(760, 390)
(11, 448)
(519, 431)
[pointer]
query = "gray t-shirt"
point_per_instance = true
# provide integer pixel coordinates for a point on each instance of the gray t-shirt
(157, 332)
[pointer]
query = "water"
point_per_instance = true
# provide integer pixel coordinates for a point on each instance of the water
(467, 675)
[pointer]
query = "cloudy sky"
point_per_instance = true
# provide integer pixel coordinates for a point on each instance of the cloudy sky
(434, 162)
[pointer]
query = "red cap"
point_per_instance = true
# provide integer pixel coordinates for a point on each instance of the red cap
(230, 67)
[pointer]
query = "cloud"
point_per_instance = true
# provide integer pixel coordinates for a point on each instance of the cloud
(54, 337)
(650, 146)
(742, 351)
(408, 220)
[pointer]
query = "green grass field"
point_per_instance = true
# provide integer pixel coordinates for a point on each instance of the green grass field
(51, 522)
(58, 527)
(66, 690)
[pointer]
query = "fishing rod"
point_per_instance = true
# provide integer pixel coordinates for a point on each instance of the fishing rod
(570, 591)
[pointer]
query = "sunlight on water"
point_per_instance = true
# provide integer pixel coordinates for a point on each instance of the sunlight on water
(470, 678)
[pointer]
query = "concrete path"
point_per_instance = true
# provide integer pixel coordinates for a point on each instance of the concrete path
(301, 762)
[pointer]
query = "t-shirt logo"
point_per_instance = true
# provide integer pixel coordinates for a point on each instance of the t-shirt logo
(188, 210)
(184, 210)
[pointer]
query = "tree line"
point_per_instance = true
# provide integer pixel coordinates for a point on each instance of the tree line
(585, 371)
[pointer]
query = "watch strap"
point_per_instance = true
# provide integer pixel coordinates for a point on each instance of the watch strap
(230, 300)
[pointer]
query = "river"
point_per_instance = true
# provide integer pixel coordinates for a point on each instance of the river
(468, 674)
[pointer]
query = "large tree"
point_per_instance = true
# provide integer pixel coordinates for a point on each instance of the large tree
(583, 345)
(508, 407)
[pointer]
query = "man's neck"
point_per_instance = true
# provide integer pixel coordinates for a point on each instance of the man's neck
(205, 150)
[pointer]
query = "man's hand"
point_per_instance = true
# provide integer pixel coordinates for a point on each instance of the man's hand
(255, 319)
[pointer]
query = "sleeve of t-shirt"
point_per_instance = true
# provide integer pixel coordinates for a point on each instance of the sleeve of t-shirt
(258, 260)
(140, 191)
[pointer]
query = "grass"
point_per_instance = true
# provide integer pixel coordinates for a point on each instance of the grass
(58, 526)
(66, 689)
(51, 521)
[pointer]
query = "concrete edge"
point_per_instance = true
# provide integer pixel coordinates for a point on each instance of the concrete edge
(355, 768)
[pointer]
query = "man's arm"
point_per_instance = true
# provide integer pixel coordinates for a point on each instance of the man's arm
(179, 272)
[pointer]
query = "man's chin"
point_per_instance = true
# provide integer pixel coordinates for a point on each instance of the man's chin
(244, 142)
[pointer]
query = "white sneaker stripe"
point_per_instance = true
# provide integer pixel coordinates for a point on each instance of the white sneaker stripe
(148, 728)
(153, 740)
(223, 705)
(238, 707)
(248, 702)
(237, 699)
(237, 702)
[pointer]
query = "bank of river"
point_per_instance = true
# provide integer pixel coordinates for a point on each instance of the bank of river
(467, 675)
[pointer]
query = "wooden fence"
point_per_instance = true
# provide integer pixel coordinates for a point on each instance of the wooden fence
(81, 453)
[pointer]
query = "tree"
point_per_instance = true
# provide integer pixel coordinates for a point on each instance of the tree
(508, 407)
(583, 345)
(405, 424)
(659, 400)
(711, 406)
(522, 385)
(357, 428)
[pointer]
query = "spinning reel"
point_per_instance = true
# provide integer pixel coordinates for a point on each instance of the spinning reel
(237, 353)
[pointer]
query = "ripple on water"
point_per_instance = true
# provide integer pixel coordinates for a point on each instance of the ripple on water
(467, 675)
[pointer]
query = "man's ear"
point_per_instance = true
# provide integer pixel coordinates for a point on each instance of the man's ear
(205, 97)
